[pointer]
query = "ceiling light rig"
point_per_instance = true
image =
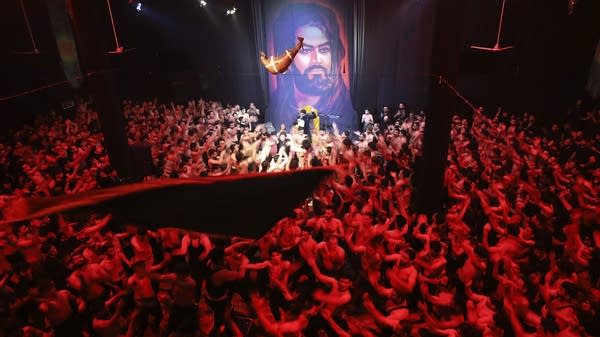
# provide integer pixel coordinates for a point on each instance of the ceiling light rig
(118, 47)
(231, 11)
(572, 5)
(203, 3)
(35, 50)
(496, 48)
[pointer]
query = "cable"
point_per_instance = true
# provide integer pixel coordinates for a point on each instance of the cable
(442, 80)
(35, 49)
(51, 85)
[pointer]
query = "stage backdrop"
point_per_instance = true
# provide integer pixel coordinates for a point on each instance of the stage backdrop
(321, 72)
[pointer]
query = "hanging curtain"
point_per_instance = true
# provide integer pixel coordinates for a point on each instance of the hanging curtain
(593, 84)
(260, 45)
(358, 37)
(59, 12)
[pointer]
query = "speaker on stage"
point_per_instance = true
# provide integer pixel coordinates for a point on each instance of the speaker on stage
(142, 161)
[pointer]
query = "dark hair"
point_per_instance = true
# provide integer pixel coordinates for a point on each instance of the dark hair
(400, 221)
(371, 179)
(468, 330)
(549, 324)
(411, 253)
(45, 285)
(565, 266)
(348, 181)
(275, 249)
(435, 246)
(571, 289)
(216, 255)
(513, 230)
(481, 251)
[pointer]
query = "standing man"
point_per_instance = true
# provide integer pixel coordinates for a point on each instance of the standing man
(401, 113)
(386, 118)
(304, 122)
(366, 120)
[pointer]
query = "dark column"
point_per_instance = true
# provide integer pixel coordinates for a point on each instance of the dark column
(89, 26)
(429, 191)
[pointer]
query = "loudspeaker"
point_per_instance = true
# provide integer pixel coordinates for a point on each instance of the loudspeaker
(141, 160)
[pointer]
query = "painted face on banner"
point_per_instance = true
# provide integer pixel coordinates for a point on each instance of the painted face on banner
(317, 75)
(313, 62)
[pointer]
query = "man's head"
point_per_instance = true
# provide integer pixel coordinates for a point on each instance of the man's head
(329, 213)
(344, 283)
(305, 235)
(313, 62)
(52, 251)
(316, 68)
(332, 241)
(436, 248)
(275, 254)
(46, 288)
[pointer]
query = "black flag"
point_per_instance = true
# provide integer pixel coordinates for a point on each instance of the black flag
(234, 205)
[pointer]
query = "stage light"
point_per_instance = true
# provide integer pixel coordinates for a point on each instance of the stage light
(138, 6)
(203, 3)
(572, 5)
(231, 11)
(496, 48)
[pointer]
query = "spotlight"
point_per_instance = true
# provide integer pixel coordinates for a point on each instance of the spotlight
(572, 5)
(231, 11)
(203, 3)
(138, 6)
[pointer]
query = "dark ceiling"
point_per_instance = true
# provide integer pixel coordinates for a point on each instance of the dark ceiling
(180, 42)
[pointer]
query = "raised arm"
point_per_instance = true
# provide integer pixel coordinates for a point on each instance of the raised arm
(327, 280)
(513, 318)
(183, 249)
(101, 223)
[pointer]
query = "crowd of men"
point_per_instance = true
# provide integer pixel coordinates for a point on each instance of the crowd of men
(515, 254)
